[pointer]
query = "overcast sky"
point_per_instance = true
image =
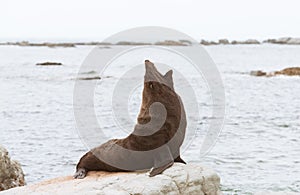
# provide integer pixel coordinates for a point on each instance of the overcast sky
(98, 19)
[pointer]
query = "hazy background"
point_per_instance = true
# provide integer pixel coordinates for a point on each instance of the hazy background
(56, 20)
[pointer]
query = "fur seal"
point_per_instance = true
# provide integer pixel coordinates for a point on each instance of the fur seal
(156, 139)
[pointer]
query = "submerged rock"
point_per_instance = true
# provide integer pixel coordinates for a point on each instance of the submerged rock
(90, 78)
(49, 64)
(11, 174)
(179, 179)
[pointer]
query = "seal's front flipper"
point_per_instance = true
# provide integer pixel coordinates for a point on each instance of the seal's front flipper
(80, 173)
(162, 160)
(159, 170)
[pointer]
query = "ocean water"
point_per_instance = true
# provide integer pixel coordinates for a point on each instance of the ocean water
(258, 147)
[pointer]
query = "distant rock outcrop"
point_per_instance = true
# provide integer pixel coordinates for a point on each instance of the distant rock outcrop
(186, 42)
(294, 71)
(11, 174)
(227, 42)
(284, 40)
(49, 64)
(294, 41)
(27, 44)
(247, 42)
(132, 43)
(204, 42)
(224, 41)
(179, 179)
(171, 43)
(258, 73)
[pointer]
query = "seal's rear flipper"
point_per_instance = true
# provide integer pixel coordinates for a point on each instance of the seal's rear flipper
(162, 161)
(80, 173)
(159, 170)
(178, 159)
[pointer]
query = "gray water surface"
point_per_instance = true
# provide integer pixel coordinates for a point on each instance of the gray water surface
(258, 148)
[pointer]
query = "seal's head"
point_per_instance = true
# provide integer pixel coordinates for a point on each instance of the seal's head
(152, 76)
(157, 88)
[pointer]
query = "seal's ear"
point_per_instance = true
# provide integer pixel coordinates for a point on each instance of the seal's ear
(169, 78)
(168, 75)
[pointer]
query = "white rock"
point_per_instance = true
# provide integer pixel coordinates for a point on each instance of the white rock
(179, 179)
(11, 174)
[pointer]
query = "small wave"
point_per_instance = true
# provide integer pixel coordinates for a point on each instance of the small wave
(90, 72)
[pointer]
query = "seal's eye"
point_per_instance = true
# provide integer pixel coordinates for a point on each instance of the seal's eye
(151, 86)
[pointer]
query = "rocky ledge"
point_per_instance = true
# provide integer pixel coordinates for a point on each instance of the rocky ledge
(11, 174)
(179, 179)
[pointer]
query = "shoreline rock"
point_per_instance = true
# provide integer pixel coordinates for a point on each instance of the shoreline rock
(11, 173)
(179, 179)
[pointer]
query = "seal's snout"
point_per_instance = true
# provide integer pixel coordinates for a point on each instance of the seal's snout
(149, 63)
(150, 69)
